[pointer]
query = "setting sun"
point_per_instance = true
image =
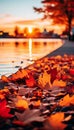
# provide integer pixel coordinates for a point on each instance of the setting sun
(30, 29)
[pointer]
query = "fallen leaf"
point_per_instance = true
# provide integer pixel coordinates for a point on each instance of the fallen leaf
(71, 71)
(30, 81)
(29, 116)
(67, 100)
(59, 83)
(53, 73)
(70, 89)
(55, 121)
(4, 110)
(37, 104)
(23, 91)
(4, 78)
(44, 79)
(21, 104)
(18, 102)
(2, 96)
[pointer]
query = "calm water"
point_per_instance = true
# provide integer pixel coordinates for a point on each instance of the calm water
(16, 53)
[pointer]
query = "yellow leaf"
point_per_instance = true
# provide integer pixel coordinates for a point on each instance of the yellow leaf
(22, 103)
(44, 79)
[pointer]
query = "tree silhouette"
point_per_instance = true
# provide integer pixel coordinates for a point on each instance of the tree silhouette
(25, 31)
(36, 32)
(16, 31)
(61, 11)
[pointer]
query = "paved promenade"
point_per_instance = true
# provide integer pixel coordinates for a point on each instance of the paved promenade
(67, 48)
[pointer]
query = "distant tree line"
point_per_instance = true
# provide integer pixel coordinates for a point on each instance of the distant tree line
(25, 32)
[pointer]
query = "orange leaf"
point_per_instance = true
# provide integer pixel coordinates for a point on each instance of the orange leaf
(3, 93)
(55, 121)
(67, 100)
(37, 103)
(22, 104)
(21, 73)
(44, 79)
(4, 78)
(59, 83)
(2, 96)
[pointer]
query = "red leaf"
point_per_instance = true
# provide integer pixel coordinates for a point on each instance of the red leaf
(71, 72)
(4, 110)
(30, 81)
(64, 77)
(70, 89)
(17, 122)
(53, 73)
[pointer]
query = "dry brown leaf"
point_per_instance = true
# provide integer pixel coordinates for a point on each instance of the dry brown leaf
(29, 116)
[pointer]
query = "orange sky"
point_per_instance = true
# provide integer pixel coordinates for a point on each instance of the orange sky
(8, 23)
(20, 13)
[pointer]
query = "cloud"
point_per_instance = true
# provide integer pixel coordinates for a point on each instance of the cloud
(5, 15)
(7, 19)
(27, 22)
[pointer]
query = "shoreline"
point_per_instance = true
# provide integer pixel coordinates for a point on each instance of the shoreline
(26, 39)
(66, 48)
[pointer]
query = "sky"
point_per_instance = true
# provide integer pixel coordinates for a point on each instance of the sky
(20, 13)
(22, 9)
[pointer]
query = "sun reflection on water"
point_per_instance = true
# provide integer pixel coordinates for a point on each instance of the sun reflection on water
(30, 49)
(16, 53)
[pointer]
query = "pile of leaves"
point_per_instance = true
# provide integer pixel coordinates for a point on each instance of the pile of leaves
(40, 97)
